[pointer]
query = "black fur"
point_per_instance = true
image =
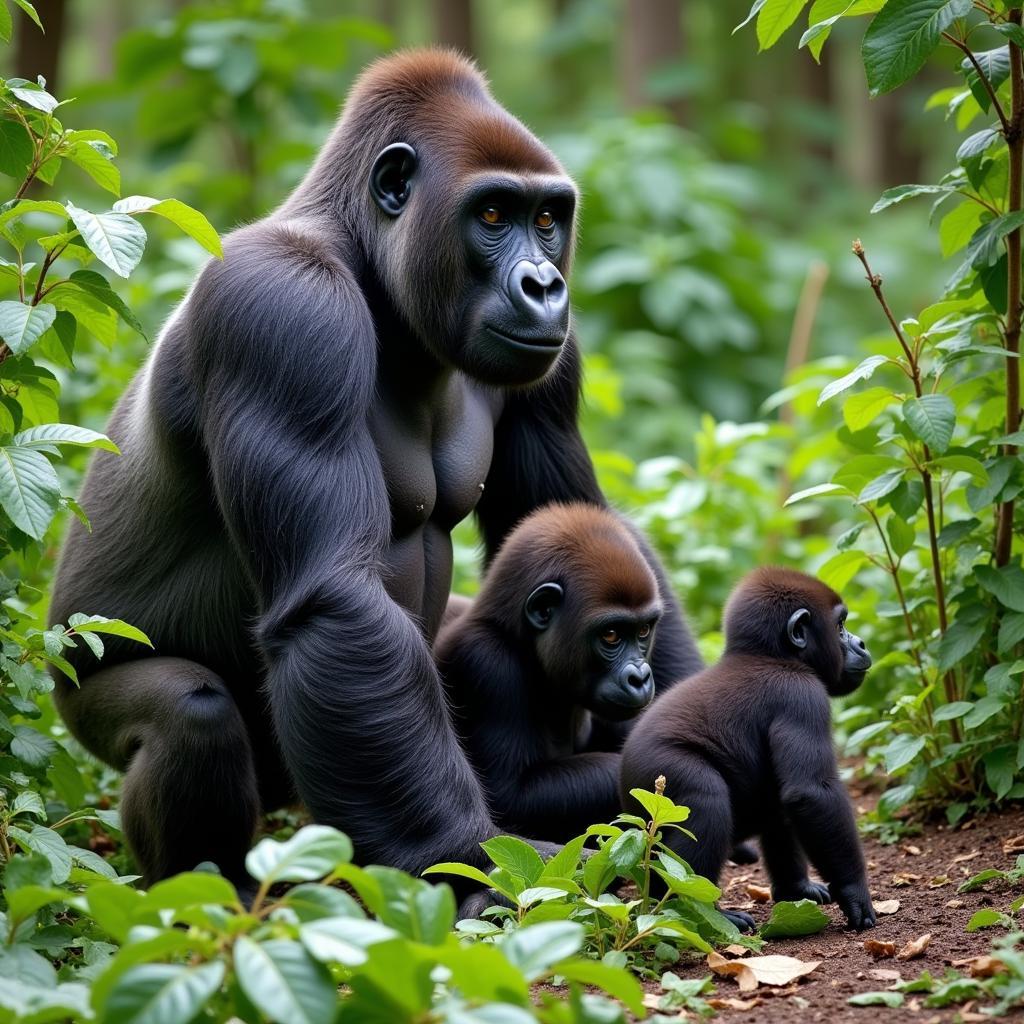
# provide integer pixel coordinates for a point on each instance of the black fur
(317, 415)
(747, 744)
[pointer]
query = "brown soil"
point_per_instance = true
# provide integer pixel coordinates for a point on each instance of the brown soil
(929, 903)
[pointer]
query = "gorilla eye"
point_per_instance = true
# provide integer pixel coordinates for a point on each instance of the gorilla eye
(644, 631)
(545, 219)
(610, 637)
(491, 215)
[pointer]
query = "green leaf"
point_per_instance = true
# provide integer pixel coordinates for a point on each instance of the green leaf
(892, 196)
(162, 993)
(963, 464)
(566, 861)
(6, 24)
(841, 568)
(117, 239)
(284, 982)
(63, 433)
(984, 919)
(31, 746)
(814, 492)
(515, 856)
(98, 287)
(902, 37)
(1011, 632)
(932, 418)
(536, 948)
(995, 66)
(33, 95)
(50, 844)
(788, 919)
(190, 889)
(954, 709)
(958, 641)
(890, 999)
(881, 485)
(1005, 584)
(660, 809)
(113, 627)
(757, 5)
(343, 940)
(861, 372)
(975, 145)
(1012, 32)
(1000, 766)
(15, 149)
(901, 535)
(774, 18)
(192, 222)
(22, 325)
(463, 871)
(27, 7)
(313, 852)
(616, 981)
(29, 489)
(958, 226)
(861, 409)
(96, 165)
(900, 751)
(625, 852)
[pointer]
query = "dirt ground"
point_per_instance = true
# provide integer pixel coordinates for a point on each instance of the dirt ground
(923, 873)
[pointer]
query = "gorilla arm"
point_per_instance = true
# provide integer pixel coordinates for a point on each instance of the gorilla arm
(284, 359)
(540, 457)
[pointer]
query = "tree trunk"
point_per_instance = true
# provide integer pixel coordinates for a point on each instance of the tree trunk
(453, 24)
(39, 53)
(652, 37)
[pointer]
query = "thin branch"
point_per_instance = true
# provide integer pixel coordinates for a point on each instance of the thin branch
(982, 77)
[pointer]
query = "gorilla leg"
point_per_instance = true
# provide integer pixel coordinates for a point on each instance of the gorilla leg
(787, 866)
(190, 790)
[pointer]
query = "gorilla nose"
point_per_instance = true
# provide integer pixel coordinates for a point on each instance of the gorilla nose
(538, 290)
(637, 676)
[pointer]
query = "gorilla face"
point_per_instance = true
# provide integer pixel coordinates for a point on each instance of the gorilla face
(509, 315)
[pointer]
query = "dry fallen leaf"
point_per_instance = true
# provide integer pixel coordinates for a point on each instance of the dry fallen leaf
(904, 878)
(915, 947)
(939, 881)
(887, 906)
(879, 949)
(761, 970)
(959, 859)
(735, 950)
(911, 850)
(954, 904)
(885, 974)
(758, 893)
(732, 1003)
(1014, 845)
(982, 966)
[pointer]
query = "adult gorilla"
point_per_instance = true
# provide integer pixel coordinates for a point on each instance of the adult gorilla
(320, 411)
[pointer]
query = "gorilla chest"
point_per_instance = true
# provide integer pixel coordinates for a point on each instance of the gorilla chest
(435, 455)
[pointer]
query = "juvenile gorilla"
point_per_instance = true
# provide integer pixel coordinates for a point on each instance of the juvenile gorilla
(385, 353)
(561, 631)
(747, 744)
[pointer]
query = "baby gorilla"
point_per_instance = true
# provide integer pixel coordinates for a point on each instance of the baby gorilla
(747, 744)
(558, 640)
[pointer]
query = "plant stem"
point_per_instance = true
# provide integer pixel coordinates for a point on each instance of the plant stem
(1014, 133)
(983, 78)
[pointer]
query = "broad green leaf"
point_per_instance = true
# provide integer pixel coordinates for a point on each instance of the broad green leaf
(757, 5)
(983, 710)
(861, 372)
(99, 288)
(862, 409)
(984, 919)
(932, 418)
(891, 196)
(955, 709)
(30, 10)
(958, 641)
(462, 870)
(616, 981)
(22, 325)
(902, 36)
(1000, 769)
(343, 940)
(162, 993)
(1012, 32)
(192, 222)
(818, 490)
(774, 18)
(975, 145)
(899, 752)
(284, 982)
(565, 862)
(29, 489)
(963, 464)
(881, 485)
(113, 627)
(96, 165)
(48, 843)
(313, 852)
(190, 889)
(995, 66)
(901, 535)
(117, 239)
(789, 919)
(535, 949)
(1011, 632)
(625, 852)
(6, 23)
(1005, 584)
(32, 95)
(841, 568)
(63, 433)
(31, 746)
(659, 807)
(958, 226)
(15, 149)
(515, 856)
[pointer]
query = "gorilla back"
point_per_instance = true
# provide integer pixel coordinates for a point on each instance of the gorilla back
(387, 351)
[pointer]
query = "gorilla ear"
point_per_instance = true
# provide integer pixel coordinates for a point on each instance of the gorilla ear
(391, 177)
(796, 628)
(541, 605)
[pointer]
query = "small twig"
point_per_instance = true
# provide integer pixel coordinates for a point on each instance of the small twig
(982, 77)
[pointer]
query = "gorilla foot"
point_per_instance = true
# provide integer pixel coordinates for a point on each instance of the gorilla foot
(743, 921)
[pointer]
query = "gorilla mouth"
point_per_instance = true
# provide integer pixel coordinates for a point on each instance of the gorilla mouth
(524, 342)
